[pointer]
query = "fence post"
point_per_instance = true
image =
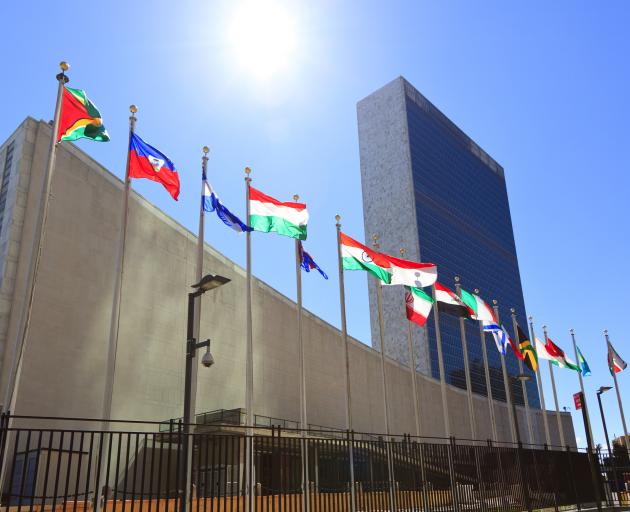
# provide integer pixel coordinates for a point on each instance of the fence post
(390, 473)
(451, 471)
(572, 477)
(353, 497)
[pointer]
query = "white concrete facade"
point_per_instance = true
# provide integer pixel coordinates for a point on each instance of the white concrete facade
(65, 353)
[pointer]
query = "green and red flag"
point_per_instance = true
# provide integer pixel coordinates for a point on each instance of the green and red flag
(356, 256)
(615, 363)
(267, 214)
(418, 305)
(80, 118)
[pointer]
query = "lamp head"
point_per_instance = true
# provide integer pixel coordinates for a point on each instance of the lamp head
(603, 389)
(523, 377)
(210, 282)
(207, 359)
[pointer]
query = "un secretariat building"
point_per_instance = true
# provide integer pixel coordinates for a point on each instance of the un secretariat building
(65, 355)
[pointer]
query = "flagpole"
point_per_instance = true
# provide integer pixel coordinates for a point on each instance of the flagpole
(577, 360)
(541, 391)
(493, 420)
(462, 333)
(506, 380)
(438, 342)
(344, 340)
(555, 394)
(249, 358)
(379, 300)
(302, 370)
(412, 363)
(118, 276)
(623, 417)
(36, 251)
(523, 386)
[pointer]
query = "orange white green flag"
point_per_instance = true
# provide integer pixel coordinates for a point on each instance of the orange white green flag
(80, 118)
(356, 256)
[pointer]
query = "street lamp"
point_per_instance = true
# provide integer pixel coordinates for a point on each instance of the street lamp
(600, 391)
(522, 377)
(207, 282)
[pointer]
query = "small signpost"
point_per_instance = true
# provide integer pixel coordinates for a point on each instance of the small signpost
(577, 400)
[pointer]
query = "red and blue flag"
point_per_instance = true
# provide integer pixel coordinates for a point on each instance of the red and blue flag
(308, 263)
(147, 162)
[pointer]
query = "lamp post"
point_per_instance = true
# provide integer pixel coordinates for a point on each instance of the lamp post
(522, 377)
(611, 456)
(207, 282)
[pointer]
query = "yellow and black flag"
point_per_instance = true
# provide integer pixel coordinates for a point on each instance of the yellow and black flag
(527, 349)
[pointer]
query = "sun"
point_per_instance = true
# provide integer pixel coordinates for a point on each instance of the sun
(263, 38)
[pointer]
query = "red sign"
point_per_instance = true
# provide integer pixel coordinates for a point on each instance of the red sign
(577, 399)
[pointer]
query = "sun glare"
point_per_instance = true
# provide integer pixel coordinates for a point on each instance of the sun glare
(262, 35)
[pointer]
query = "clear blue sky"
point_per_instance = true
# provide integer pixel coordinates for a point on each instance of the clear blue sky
(541, 86)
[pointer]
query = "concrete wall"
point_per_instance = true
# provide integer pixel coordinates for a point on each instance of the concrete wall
(63, 371)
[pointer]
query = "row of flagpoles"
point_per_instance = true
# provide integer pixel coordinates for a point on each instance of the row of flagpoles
(77, 117)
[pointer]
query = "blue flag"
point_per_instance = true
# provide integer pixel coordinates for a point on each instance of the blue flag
(583, 365)
(211, 203)
(308, 263)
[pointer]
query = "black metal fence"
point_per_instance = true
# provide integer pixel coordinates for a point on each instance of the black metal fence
(76, 465)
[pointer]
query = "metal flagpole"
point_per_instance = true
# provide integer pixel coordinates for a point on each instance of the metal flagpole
(482, 336)
(379, 299)
(555, 394)
(302, 370)
(577, 361)
(462, 331)
(344, 340)
(412, 364)
(623, 417)
(530, 431)
(249, 362)
(36, 250)
(506, 380)
(438, 342)
(541, 391)
(120, 262)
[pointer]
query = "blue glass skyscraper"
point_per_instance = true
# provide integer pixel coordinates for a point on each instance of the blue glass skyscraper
(430, 189)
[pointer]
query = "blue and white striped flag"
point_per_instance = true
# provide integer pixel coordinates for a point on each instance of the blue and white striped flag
(211, 203)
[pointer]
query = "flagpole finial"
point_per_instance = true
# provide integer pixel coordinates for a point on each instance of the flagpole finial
(403, 251)
(296, 197)
(205, 150)
(513, 311)
(544, 327)
(133, 109)
(606, 332)
(495, 302)
(248, 171)
(531, 318)
(64, 66)
(337, 219)
(457, 279)
(375, 241)
(476, 291)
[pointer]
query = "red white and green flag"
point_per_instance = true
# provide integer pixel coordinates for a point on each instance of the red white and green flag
(480, 310)
(552, 352)
(615, 363)
(418, 305)
(80, 118)
(450, 303)
(356, 256)
(411, 273)
(267, 214)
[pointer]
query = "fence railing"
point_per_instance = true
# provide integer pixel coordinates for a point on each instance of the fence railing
(71, 465)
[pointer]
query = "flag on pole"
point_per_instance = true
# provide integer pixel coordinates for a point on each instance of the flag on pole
(308, 263)
(411, 273)
(499, 335)
(147, 162)
(418, 305)
(212, 203)
(267, 215)
(528, 351)
(480, 310)
(615, 363)
(450, 303)
(356, 256)
(513, 346)
(80, 118)
(552, 352)
(586, 371)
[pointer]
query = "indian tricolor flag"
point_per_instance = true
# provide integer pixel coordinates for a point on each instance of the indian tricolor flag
(356, 256)
(267, 214)
(418, 305)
